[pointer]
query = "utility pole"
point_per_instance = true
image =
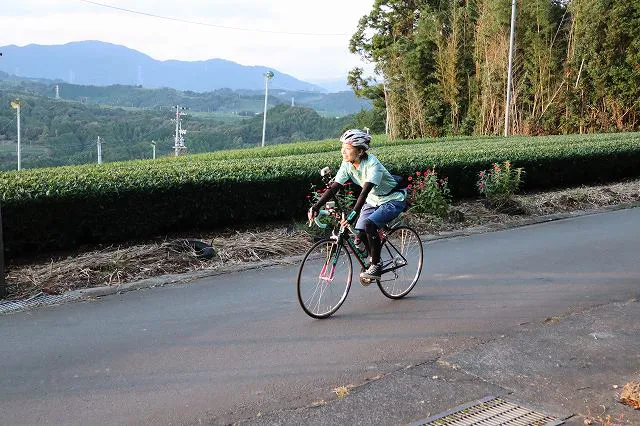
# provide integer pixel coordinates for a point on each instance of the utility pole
(267, 76)
(16, 104)
(3, 284)
(179, 137)
(153, 146)
(512, 40)
(99, 150)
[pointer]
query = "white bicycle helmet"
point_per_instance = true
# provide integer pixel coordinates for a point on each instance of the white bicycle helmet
(357, 138)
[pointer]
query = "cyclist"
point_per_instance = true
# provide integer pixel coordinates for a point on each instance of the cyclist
(380, 200)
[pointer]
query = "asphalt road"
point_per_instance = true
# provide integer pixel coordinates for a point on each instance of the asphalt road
(225, 348)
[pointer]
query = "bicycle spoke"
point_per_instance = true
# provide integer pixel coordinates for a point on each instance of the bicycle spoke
(324, 279)
(403, 260)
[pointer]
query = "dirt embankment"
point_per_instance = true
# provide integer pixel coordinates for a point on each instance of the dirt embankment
(122, 264)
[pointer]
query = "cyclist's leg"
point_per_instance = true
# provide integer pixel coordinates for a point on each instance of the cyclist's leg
(365, 212)
(382, 215)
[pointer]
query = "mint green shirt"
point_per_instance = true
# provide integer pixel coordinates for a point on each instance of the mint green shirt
(371, 170)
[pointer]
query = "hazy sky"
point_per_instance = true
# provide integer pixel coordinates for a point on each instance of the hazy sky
(269, 33)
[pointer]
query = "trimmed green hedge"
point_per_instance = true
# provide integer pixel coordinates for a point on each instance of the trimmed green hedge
(61, 208)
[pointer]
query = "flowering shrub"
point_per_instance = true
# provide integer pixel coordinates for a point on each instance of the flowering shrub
(429, 195)
(345, 196)
(499, 183)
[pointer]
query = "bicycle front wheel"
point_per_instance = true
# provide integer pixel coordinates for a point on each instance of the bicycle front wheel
(402, 257)
(324, 278)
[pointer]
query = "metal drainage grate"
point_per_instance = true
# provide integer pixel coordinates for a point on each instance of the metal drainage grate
(41, 300)
(490, 411)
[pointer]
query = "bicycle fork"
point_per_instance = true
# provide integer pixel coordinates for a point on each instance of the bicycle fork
(331, 263)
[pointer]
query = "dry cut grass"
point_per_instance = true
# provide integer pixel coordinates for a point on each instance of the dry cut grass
(122, 264)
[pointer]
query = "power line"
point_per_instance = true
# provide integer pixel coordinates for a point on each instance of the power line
(206, 24)
(13, 120)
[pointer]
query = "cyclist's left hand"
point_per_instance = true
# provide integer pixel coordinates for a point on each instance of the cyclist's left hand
(349, 220)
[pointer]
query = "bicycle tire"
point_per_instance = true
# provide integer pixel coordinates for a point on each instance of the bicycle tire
(398, 283)
(314, 268)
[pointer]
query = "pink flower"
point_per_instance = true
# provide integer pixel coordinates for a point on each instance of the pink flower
(409, 186)
(481, 174)
(410, 178)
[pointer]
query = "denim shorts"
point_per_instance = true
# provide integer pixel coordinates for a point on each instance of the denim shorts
(380, 215)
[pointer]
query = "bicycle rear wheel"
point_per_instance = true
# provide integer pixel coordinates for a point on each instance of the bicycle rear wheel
(324, 278)
(403, 253)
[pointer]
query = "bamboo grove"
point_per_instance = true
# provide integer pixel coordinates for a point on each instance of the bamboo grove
(441, 66)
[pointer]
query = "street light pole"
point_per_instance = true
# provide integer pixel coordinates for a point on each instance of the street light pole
(267, 76)
(16, 105)
(99, 151)
(512, 40)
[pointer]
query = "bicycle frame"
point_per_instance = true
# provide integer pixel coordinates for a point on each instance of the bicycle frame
(361, 256)
(347, 240)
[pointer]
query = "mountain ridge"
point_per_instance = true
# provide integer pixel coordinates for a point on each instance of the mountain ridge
(98, 63)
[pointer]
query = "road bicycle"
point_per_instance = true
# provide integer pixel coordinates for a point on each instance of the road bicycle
(326, 271)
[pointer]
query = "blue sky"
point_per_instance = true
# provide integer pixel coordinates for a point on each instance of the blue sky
(308, 40)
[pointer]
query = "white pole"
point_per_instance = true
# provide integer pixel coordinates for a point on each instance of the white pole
(177, 147)
(99, 151)
(266, 94)
(19, 149)
(153, 144)
(509, 78)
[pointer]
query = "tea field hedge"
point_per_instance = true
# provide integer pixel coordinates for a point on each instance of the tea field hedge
(61, 208)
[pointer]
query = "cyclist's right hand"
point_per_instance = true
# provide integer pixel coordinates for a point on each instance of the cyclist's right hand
(311, 214)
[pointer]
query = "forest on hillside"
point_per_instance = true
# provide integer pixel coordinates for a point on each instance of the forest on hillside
(60, 132)
(242, 101)
(441, 66)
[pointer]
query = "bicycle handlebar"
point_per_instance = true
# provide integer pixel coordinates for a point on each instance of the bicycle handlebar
(316, 219)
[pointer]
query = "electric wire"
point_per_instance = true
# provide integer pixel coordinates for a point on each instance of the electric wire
(206, 24)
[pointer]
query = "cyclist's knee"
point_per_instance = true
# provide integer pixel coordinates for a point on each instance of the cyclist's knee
(370, 228)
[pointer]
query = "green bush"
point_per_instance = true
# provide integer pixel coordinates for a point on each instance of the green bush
(499, 183)
(428, 194)
(61, 208)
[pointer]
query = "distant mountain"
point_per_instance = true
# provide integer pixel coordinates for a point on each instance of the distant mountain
(333, 85)
(101, 64)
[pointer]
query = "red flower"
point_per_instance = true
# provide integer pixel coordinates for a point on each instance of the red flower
(350, 192)
(410, 178)
(418, 173)
(427, 172)
(409, 186)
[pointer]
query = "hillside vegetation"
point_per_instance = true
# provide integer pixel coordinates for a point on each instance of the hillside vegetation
(122, 201)
(444, 66)
(61, 132)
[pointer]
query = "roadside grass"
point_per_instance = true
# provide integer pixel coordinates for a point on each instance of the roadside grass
(100, 266)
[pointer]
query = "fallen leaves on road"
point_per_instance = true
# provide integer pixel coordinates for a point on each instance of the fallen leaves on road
(343, 391)
(630, 395)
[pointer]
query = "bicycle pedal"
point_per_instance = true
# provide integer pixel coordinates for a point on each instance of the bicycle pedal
(366, 282)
